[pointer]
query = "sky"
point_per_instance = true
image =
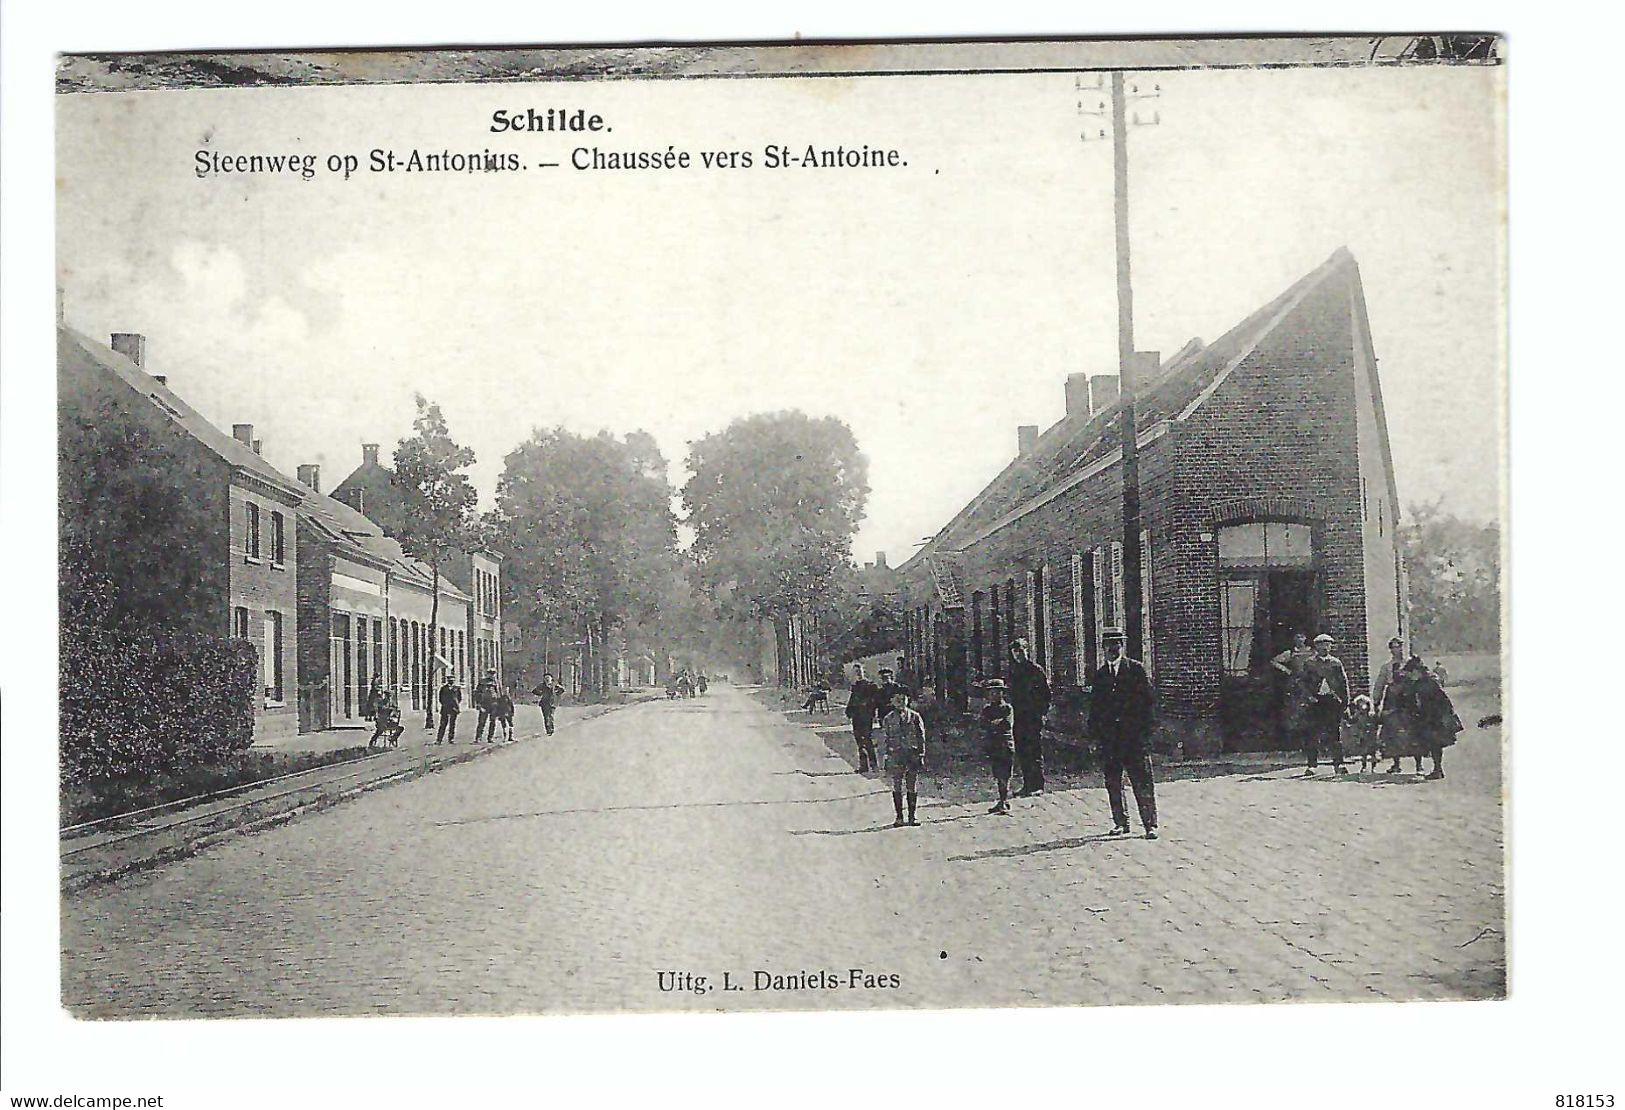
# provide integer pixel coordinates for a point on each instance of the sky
(933, 307)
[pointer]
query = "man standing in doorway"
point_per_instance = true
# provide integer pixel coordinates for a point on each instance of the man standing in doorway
(1121, 707)
(1029, 697)
(860, 710)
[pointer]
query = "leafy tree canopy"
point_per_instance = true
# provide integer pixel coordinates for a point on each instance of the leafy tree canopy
(437, 497)
(1454, 567)
(774, 500)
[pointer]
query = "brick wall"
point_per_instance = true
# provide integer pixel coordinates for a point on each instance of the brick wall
(315, 588)
(262, 586)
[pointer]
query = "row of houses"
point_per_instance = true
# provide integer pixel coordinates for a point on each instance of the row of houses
(1269, 507)
(317, 583)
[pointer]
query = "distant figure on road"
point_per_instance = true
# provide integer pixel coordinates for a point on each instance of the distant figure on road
(998, 734)
(701, 683)
(485, 700)
(1328, 685)
(904, 731)
(1029, 696)
(817, 699)
(860, 710)
(1121, 707)
(451, 703)
(1395, 741)
(547, 696)
(386, 718)
(685, 686)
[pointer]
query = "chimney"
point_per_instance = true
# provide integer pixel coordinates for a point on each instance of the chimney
(1026, 439)
(880, 560)
(243, 434)
(1103, 392)
(257, 444)
(131, 345)
(1077, 394)
(310, 475)
(369, 454)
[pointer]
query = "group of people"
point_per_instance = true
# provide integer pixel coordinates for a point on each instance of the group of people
(493, 702)
(1011, 723)
(686, 684)
(1407, 714)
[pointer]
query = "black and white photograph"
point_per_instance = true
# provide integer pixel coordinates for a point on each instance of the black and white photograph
(854, 537)
(745, 527)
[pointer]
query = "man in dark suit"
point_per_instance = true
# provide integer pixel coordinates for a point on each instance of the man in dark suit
(1029, 697)
(1120, 717)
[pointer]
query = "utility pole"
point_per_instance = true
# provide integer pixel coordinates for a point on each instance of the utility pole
(1132, 616)
(1133, 603)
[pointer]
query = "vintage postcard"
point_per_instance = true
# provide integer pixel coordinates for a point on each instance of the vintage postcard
(806, 526)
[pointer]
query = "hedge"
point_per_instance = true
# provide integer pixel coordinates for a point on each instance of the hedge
(142, 703)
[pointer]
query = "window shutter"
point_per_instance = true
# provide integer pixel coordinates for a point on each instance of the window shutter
(1099, 584)
(1145, 598)
(1032, 613)
(1118, 616)
(1078, 647)
(1044, 622)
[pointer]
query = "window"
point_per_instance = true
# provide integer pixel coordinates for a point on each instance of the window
(239, 622)
(1119, 614)
(1046, 630)
(359, 498)
(1379, 516)
(1238, 601)
(394, 654)
(251, 532)
(278, 550)
(1035, 634)
(1267, 544)
(273, 657)
(1365, 502)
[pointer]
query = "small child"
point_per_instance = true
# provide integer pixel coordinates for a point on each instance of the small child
(998, 730)
(904, 732)
(1360, 730)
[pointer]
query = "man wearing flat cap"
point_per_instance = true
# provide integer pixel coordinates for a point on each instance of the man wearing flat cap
(888, 690)
(1328, 686)
(1121, 709)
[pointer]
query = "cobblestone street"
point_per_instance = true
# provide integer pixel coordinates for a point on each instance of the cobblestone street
(710, 836)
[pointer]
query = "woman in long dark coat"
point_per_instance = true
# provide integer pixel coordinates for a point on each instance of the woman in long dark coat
(1423, 717)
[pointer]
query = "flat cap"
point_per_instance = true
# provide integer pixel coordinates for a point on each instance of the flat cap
(1113, 633)
(1323, 638)
(994, 684)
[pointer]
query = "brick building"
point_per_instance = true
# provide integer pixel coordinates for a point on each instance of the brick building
(1268, 506)
(370, 489)
(365, 609)
(250, 553)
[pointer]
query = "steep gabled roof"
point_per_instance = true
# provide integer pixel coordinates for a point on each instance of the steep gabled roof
(1068, 449)
(74, 348)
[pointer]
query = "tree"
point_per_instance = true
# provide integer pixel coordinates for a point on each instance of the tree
(136, 538)
(774, 500)
(586, 525)
(437, 503)
(1454, 567)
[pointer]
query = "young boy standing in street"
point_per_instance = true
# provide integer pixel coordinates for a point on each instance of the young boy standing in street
(904, 731)
(999, 731)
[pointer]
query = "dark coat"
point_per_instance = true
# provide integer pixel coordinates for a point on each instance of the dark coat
(1029, 689)
(1121, 709)
(547, 694)
(451, 699)
(861, 700)
(1330, 672)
